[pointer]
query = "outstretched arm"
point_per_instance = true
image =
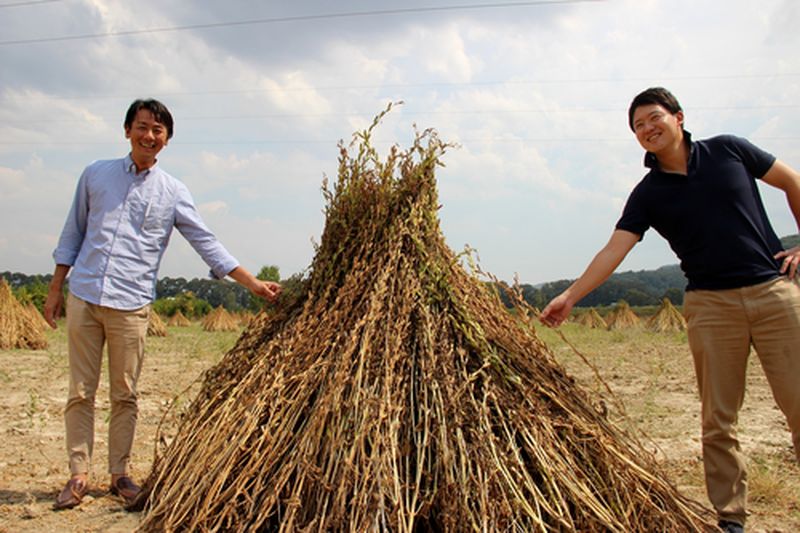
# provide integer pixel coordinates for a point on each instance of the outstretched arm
(601, 267)
(785, 178)
(269, 290)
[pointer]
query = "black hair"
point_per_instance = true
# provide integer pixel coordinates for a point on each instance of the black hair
(159, 111)
(654, 95)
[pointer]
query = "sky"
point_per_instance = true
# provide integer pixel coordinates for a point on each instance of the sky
(534, 93)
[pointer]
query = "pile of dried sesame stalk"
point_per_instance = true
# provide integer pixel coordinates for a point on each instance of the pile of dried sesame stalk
(395, 392)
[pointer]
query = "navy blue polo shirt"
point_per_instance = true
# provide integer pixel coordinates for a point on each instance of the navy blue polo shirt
(713, 218)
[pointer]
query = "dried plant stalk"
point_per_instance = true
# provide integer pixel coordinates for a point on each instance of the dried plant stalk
(220, 320)
(667, 318)
(156, 327)
(20, 327)
(392, 391)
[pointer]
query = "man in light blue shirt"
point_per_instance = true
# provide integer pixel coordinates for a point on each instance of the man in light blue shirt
(113, 240)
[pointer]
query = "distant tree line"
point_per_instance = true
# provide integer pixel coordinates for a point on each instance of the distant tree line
(641, 288)
(195, 297)
(198, 296)
(644, 287)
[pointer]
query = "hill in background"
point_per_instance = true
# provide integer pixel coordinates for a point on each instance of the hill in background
(638, 288)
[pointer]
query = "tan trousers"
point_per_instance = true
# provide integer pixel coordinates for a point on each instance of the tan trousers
(90, 326)
(722, 327)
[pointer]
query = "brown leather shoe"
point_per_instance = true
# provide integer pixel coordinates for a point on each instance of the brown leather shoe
(125, 488)
(72, 494)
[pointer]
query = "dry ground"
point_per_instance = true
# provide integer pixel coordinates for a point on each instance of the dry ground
(650, 373)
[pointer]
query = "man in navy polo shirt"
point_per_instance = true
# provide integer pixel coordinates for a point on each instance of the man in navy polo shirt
(743, 286)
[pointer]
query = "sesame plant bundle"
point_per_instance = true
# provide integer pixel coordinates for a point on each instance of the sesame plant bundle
(244, 317)
(391, 390)
(156, 326)
(19, 328)
(37, 316)
(622, 316)
(220, 320)
(178, 320)
(591, 319)
(667, 318)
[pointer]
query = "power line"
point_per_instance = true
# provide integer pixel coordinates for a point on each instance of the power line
(404, 112)
(29, 3)
(330, 142)
(296, 18)
(490, 83)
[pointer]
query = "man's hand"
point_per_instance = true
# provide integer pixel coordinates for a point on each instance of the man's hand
(791, 259)
(53, 306)
(269, 290)
(556, 311)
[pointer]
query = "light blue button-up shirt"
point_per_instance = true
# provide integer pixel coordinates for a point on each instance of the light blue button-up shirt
(117, 230)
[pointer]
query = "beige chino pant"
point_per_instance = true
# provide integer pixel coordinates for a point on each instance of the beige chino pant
(722, 325)
(89, 327)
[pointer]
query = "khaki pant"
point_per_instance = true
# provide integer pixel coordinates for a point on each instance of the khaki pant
(90, 326)
(722, 327)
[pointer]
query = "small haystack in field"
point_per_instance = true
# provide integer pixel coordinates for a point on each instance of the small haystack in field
(220, 320)
(19, 329)
(37, 316)
(667, 318)
(622, 317)
(156, 326)
(245, 317)
(591, 319)
(178, 320)
(393, 391)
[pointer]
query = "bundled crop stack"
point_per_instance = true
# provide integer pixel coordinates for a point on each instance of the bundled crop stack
(19, 329)
(392, 391)
(156, 326)
(622, 316)
(667, 318)
(220, 320)
(37, 317)
(245, 318)
(179, 320)
(591, 319)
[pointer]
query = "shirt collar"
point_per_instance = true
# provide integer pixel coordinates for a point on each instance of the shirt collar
(130, 168)
(651, 161)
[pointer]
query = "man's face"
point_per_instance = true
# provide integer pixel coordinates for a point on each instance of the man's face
(147, 137)
(656, 128)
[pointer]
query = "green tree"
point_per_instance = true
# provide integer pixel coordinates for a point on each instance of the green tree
(186, 302)
(267, 273)
(674, 295)
(34, 292)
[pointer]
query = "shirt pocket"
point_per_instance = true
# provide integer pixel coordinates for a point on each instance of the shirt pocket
(158, 218)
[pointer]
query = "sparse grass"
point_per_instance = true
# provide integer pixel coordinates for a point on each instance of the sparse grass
(32, 407)
(630, 361)
(653, 376)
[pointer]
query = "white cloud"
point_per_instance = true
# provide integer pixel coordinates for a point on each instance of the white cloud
(12, 182)
(213, 208)
(537, 95)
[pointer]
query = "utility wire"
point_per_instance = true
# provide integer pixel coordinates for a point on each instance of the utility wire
(396, 86)
(29, 3)
(330, 142)
(297, 18)
(405, 112)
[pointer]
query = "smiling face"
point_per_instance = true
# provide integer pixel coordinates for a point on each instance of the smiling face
(658, 130)
(147, 136)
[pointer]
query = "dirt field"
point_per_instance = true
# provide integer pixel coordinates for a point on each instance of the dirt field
(650, 373)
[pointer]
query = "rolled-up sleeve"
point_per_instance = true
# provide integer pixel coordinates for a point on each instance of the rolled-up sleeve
(205, 243)
(74, 231)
